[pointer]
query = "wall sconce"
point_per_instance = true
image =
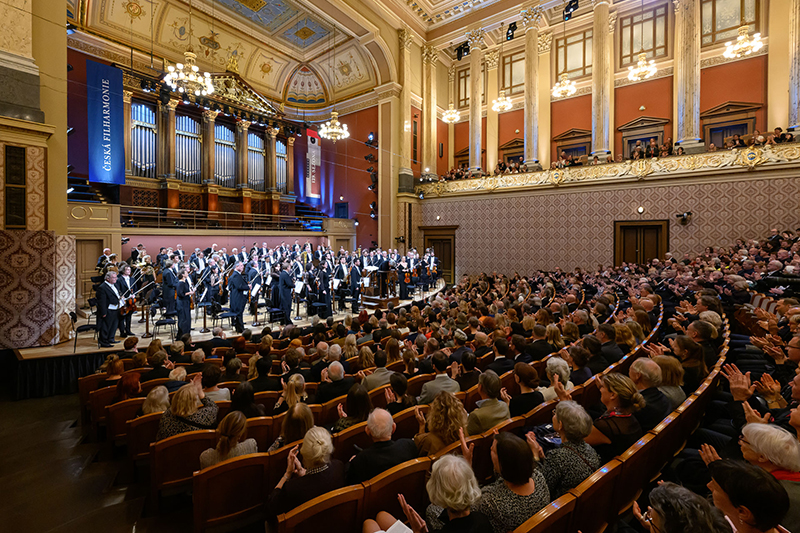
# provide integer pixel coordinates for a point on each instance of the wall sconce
(640, 210)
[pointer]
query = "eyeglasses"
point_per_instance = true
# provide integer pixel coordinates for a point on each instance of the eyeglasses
(743, 440)
(647, 517)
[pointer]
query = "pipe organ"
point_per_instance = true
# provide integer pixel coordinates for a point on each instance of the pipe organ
(280, 174)
(256, 156)
(224, 156)
(188, 148)
(143, 140)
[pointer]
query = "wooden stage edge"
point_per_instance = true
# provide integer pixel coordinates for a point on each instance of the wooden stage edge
(88, 345)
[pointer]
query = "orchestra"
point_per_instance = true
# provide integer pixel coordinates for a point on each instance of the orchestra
(248, 278)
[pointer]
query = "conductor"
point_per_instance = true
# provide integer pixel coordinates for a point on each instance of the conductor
(238, 288)
(285, 288)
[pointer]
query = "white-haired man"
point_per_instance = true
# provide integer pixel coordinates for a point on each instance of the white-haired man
(384, 452)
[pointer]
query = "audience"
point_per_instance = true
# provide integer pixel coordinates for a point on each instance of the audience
(529, 398)
(244, 400)
(190, 410)
(384, 452)
(231, 441)
(491, 410)
(297, 421)
(446, 417)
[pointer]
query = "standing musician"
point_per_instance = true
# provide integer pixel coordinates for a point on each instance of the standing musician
(340, 273)
(285, 291)
(103, 259)
(212, 280)
(355, 283)
(255, 277)
(297, 269)
(238, 289)
(404, 277)
(126, 287)
(184, 302)
(169, 280)
(108, 302)
(324, 290)
(199, 263)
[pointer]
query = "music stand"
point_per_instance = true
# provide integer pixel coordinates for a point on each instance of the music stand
(205, 307)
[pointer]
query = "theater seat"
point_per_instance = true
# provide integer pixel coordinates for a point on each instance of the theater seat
(339, 511)
(594, 497)
(407, 478)
(555, 518)
(141, 433)
(345, 441)
(117, 416)
(174, 460)
(260, 428)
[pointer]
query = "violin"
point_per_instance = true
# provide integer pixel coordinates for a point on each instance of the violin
(129, 306)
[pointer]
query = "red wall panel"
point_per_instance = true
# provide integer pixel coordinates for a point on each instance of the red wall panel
(738, 81)
(568, 114)
(655, 96)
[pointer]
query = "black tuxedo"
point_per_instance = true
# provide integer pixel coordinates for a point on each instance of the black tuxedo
(285, 290)
(107, 314)
(355, 286)
(169, 288)
(126, 289)
(237, 287)
(184, 304)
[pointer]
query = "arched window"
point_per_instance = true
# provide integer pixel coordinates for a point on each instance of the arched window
(143, 140)
(188, 155)
(224, 156)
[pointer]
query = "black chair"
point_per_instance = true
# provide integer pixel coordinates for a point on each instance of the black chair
(226, 314)
(275, 314)
(93, 310)
(80, 329)
(164, 323)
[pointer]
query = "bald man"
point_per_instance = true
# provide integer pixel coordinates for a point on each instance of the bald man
(384, 452)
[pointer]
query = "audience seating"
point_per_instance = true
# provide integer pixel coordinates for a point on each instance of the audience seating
(173, 461)
(555, 518)
(345, 441)
(339, 511)
(147, 386)
(141, 434)
(99, 399)
(415, 384)
(261, 429)
(380, 492)
(406, 424)
(594, 498)
(117, 416)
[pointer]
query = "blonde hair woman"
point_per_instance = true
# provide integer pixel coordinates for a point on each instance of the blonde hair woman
(153, 347)
(445, 417)
(350, 349)
(231, 441)
(190, 410)
(392, 351)
(157, 400)
(294, 391)
(366, 359)
(252, 373)
(553, 336)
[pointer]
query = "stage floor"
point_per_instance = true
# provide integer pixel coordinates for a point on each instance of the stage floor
(88, 344)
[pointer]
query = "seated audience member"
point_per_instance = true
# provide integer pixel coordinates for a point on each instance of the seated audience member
(217, 340)
(210, 380)
(617, 429)
(446, 417)
(540, 348)
(177, 379)
(468, 377)
(674, 509)
(570, 334)
(441, 382)
(190, 410)
(264, 382)
(161, 367)
(366, 358)
(624, 337)
(139, 360)
(176, 353)
(555, 367)
(502, 362)
(528, 381)
(578, 359)
(233, 371)
(231, 441)
(646, 375)
(453, 491)
(490, 409)
(130, 348)
(397, 397)
(410, 364)
(384, 452)
(752, 500)
(295, 424)
(671, 379)
(567, 466)
(157, 401)
(460, 346)
(607, 336)
(128, 387)
(243, 400)
(334, 383)
(294, 391)
(480, 341)
(198, 362)
(380, 376)
(553, 336)
(314, 476)
(356, 408)
(153, 347)
(114, 368)
(597, 362)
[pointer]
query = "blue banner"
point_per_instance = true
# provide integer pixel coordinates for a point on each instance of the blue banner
(106, 123)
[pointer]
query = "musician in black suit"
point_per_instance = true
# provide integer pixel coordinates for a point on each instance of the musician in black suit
(180, 253)
(404, 277)
(184, 303)
(285, 290)
(355, 284)
(211, 282)
(383, 272)
(324, 280)
(169, 280)
(340, 273)
(238, 288)
(126, 287)
(108, 299)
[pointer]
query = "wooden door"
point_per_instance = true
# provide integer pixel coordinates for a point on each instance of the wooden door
(88, 251)
(640, 241)
(443, 241)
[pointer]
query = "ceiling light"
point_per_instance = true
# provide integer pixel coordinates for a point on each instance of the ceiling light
(744, 45)
(564, 87)
(451, 115)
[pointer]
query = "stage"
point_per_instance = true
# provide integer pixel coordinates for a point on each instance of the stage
(49, 370)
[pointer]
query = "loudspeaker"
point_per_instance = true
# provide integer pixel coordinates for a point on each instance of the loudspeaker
(441, 150)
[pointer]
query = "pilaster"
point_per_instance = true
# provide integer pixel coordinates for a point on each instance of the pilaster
(241, 153)
(430, 57)
(475, 39)
(126, 103)
(166, 139)
(492, 61)
(290, 164)
(451, 128)
(207, 147)
(531, 18)
(687, 74)
(601, 77)
(794, 61)
(405, 100)
(271, 154)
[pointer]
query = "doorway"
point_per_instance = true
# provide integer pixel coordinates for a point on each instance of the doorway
(640, 241)
(88, 251)
(443, 241)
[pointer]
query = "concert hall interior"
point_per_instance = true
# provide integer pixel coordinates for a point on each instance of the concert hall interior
(269, 264)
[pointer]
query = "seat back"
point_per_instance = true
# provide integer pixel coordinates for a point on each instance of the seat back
(594, 498)
(406, 422)
(638, 468)
(509, 383)
(278, 458)
(408, 479)
(100, 399)
(149, 385)
(555, 518)
(338, 511)
(330, 412)
(141, 432)
(86, 385)
(223, 408)
(415, 384)
(117, 416)
(482, 456)
(541, 414)
(345, 441)
(591, 392)
(378, 396)
(473, 396)
(174, 460)
(267, 399)
(217, 493)
(260, 428)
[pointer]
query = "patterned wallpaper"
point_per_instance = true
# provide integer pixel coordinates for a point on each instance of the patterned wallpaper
(576, 229)
(65, 269)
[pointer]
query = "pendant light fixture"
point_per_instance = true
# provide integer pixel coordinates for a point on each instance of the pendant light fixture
(185, 77)
(503, 102)
(333, 130)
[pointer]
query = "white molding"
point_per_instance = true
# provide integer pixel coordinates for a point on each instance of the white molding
(18, 63)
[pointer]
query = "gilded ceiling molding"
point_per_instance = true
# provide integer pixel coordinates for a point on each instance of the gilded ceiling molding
(670, 167)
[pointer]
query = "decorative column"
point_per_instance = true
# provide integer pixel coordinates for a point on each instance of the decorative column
(492, 60)
(126, 107)
(601, 77)
(687, 75)
(241, 153)
(794, 63)
(430, 56)
(543, 99)
(290, 164)
(209, 161)
(389, 133)
(405, 176)
(271, 160)
(475, 39)
(530, 18)
(451, 127)
(166, 139)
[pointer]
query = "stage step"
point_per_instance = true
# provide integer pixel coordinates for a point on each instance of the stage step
(376, 302)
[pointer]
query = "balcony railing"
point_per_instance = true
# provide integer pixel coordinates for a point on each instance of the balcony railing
(768, 157)
(165, 218)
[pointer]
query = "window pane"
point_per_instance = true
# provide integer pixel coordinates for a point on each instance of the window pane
(707, 17)
(728, 14)
(661, 33)
(518, 73)
(574, 56)
(589, 49)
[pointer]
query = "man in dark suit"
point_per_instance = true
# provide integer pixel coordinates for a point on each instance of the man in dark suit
(198, 362)
(606, 334)
(540, 348)
(501, 363)
(286, 289)
(126, 287)
(105, 258)
(217, 340)
(169, 280)
(180, 253)
(355, 284)
(264, 382)
(108, 301)
(646, 375)
(336, 384)
(384, 452)
(161, 367)
(238, 288)
(460, 348)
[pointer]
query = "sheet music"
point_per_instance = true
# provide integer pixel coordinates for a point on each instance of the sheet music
(371, 268)
(298, 287)
(254, 290)
(269, 280)
(336, 283)
(365, 281)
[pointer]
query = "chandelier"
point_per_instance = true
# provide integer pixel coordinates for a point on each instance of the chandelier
(451, 115)
(565, 87)
(186, 78)
(744, 45)
(503, 103)
(333, 130)
(643, 69)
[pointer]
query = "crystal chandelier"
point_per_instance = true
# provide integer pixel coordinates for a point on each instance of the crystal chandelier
(643, 69)
(744, 45)
(451, 115)
(333, 130)
(185, 77)
(565, 87)
(503, 103)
